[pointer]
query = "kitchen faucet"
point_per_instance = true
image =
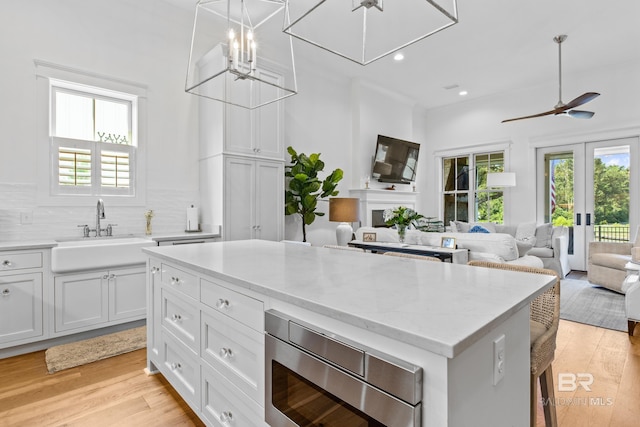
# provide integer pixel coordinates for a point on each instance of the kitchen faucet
(99, 215)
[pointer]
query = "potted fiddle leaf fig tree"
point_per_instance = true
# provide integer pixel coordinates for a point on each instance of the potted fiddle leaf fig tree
(305, 188)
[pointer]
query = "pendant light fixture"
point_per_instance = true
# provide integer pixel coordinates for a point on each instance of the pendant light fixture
(226, 58)
(364, 31)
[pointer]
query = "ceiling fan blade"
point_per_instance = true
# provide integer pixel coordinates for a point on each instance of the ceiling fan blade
(546, 113)
(580, 114)
(582, 99)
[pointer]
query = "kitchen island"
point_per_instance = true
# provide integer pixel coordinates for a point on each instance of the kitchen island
(439, 316)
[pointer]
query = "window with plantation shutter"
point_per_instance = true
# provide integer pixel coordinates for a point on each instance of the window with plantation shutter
(93, 140)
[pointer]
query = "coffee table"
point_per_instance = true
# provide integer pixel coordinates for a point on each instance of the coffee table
(456, 256)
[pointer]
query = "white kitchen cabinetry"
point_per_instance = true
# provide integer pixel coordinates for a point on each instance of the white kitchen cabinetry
(253, 199)
(256, 132)
(100, 298)
(208, 343)
(242, 165)
(21, 297)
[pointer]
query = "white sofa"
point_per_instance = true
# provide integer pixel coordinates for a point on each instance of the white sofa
(549, 243)
(496, 247)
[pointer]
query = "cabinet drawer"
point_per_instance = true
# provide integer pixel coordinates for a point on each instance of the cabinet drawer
(181, 369)
(20, 261)
(181, 319)
(223, 404)
(236, 351)
(242, 308)
(180, 281)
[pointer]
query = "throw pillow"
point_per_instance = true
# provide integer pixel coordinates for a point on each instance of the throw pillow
(461, 226)
(478, 229)
(523, 247)
(543, 235)
(526, 232)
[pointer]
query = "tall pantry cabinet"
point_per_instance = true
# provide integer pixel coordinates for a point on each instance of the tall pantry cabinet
(242, 167)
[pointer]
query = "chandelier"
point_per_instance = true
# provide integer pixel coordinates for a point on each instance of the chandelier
(364, 31)
(227, 60)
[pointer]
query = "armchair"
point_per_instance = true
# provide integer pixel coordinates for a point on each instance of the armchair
(607, 260)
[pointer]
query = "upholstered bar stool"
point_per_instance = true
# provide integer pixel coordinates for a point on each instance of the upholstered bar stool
(544, 318)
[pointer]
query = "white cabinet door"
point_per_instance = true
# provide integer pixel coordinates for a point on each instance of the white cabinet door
(127, 294)
(268, 129)
(81, 300)
(239, 198)
(254, 199)
(20, 306)
(269, 190)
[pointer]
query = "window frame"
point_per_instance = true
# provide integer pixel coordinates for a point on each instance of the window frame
(97, 86)
(471, 152)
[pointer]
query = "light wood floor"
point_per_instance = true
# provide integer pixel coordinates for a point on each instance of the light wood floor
(115, 391)
(111, 392)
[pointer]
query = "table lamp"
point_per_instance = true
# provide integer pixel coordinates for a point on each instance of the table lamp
(344, 210)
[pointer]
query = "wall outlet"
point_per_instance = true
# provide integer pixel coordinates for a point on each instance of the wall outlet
(499, 362)
(26, 218)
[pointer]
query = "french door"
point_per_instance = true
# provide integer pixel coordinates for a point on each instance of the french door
(591, 188)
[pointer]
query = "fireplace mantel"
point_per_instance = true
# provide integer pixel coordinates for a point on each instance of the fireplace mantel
(376, 199)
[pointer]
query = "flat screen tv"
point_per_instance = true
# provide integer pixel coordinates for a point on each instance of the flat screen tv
(395, 160)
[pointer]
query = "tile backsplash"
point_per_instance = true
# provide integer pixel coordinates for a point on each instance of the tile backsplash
(18, 207)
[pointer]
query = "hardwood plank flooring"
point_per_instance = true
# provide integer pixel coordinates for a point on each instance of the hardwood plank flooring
(115, 391)
(110, 392)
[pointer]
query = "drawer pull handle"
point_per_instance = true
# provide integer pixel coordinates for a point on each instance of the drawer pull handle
(226, 353)
(176, 317)
(154, 270)
(222, 303)
(7, 263)
(176, 365)
(175, 281)
(6, 292)
(226, 417)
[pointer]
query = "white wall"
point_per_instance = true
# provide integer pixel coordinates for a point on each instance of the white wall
(142, 41)
(341, 118)
(478, 122)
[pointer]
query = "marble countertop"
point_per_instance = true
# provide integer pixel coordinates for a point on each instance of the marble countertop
(186, 235)
(19, 245)
(440, 307)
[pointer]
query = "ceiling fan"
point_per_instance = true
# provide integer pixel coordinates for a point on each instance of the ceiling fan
(561, 108)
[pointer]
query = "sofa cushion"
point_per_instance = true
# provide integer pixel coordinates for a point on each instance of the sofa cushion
(528, 261)
(543, 235)
(508, 229)
(526, 232)
(523, 247)
(615, 261)
(542, 252)
(464, 227)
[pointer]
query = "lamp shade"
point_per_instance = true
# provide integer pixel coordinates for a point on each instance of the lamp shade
(501, 179)
(344, 209)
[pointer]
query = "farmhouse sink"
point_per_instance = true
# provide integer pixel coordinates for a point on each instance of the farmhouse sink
(92, 254)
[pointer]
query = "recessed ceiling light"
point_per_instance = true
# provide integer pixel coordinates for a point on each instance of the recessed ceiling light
(398, 56)
(463, 93)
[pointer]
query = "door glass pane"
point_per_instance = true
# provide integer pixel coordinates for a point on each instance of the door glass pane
(611, 194)
(559, 203)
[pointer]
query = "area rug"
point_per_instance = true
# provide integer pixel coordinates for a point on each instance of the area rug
(582, 302)
(78, 353)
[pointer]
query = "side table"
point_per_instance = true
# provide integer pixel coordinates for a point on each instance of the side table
(631, 287)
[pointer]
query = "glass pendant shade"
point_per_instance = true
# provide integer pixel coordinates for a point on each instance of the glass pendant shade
(364, 31)
(231, 61)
